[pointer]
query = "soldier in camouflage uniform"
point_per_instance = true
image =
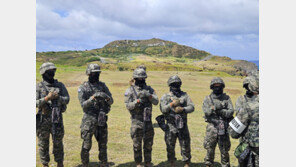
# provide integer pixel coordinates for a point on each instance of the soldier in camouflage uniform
(51, 100)
(95, 99)
(218, 111)
(139, 98)
(175, 106)
(246, 124)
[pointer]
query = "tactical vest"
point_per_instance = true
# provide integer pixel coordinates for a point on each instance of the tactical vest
(252, 133)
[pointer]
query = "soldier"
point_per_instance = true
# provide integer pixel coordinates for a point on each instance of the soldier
(246, 124)
(139, 98)
(95, 99)
(175, 106)
(218, 111)
(51, 99)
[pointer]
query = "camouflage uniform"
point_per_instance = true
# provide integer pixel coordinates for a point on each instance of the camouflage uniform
(218, 111)
(173, 132)
(44, 118)
(141, 130)
(247, 112)
(90, 121)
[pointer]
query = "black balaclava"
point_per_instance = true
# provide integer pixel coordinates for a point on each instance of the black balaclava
(175, 88)
(217, 90)
(248, 92)
(48, 76)
(94, 77)
(140, 82)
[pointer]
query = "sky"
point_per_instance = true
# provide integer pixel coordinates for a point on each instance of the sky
(225, 28)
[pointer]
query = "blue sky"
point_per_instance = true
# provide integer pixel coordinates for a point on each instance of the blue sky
(225, 28)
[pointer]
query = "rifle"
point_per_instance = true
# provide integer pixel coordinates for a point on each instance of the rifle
(56, 116)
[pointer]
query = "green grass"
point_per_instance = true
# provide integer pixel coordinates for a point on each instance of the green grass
(196, 84)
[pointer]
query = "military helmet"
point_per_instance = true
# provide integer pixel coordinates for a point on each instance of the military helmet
(139, 73)
(217, 80)
(47, 66)
(174, 79)
(92, 68)
(254, 84)
(142, 66)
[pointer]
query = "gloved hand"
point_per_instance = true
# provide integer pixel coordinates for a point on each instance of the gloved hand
(55, 94)
(50, 96)
(179, 109)
(175, 103)
(101, 95)
(218, 106)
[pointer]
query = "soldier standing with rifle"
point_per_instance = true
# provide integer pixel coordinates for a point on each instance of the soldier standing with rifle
(246, 124)
(51, 99)
(175, 106)
(139, 98)
(218, 112)
(95, 99)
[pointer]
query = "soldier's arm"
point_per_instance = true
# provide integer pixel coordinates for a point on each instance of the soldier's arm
(207, 107)
(84, 102)
(241, 119)
(228, 112)
(106, 90)
(189, 108)
(129, 101)
(238, 104)
(64, 97)
(165, 104)
(39, 101)
(154, 99)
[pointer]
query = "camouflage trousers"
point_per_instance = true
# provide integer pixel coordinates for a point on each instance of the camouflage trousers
(139, 134)
(89, 128)
(43, 132)
(255, 156)
(210, 143)
(184, 140)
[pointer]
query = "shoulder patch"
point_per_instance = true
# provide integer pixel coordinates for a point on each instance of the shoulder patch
(126, 92)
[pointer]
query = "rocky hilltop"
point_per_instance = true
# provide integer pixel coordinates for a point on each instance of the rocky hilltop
(156, 54)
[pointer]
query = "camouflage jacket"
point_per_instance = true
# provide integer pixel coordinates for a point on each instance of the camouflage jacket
(130, 100)
(43, 88)
(217, 107)
(169, 112)
(93, 106)
(247, 112)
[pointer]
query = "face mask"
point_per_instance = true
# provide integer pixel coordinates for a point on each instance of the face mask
(217, 90)
(140, 83)
(93, 77)
(48, 76)
(176, 89)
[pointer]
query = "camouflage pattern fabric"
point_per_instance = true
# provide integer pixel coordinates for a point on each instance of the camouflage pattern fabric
(43, 130)
(216, 108)
(89, 125)
(247, 111)
(141, 131)
(173, 133)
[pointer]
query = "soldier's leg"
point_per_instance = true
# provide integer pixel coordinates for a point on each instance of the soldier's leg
(255, 151)
(87, 131)
(170, 140)
(224, 146)
(184, 140)
(148, 142)
(58, 147)
(43, 133)
(210, 143)
(137, 137)
(102, 138)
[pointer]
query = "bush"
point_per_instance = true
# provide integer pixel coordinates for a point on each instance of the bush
(91, 59)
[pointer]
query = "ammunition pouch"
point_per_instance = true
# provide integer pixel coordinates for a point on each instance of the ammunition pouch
(221, 128)
(179, 121)
(102, 119)
(147, 114)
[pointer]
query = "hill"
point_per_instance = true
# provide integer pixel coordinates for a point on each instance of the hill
(156, 54)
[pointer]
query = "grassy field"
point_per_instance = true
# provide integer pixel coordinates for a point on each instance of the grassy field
(120, 152)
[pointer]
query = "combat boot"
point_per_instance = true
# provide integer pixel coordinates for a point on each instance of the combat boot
(186, 164)
(60, 164)
(139, 165)
(45, 165)
(84, 165)
(104, 164)
(148, 164)
(172, 164)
